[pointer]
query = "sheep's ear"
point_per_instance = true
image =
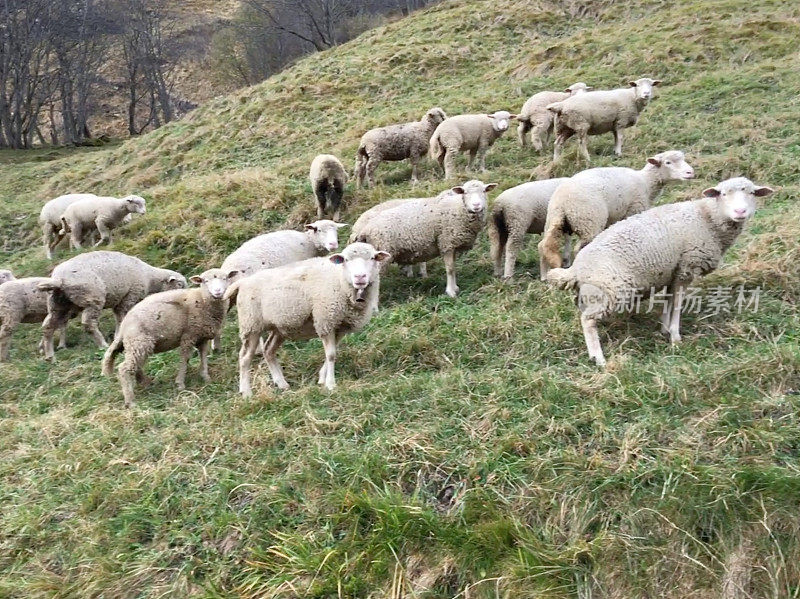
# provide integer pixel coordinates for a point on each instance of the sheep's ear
(568, 90)
(458, 189)
(491, 116)
(588, 88)
(336, 258)
(197, 279)
(657, 82)
(382, 256)
(712, 192)
(232, 273)
(340, 225)
(489, 186)
(172, 278)
(311, 228)
(762, 191)
(632, 83)
(654, 161)
(512, 116)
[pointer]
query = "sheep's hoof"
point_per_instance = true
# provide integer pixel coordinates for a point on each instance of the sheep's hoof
(206, 378)
(675, 340)
(330, 387)
(283, 386)
(180, 385)
(600, 361)
(452, 292)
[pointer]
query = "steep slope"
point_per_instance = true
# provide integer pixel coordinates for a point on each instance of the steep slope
(471, 449)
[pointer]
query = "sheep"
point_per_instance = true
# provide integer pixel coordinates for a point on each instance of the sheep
(473, 133)
(598, 112)
(50, 219)
(396, 142)
(96, 280)
(324, 297)
(419, 230)
(593, 199)
(660, 250)
(102, 213)
(534, 118)
(517, 211)
(21, 301)
(6, 275)
(182, 318)
(328, 179)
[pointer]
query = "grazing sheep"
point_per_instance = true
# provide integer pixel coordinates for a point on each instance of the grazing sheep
(182, 318)
(517, 211)
(95, 280)
(662, 249)
(328, 178)
(324, 297)
(416, 231)
(396, 142)
(473, 133)
(50, 219)
(101, 213)
(598, 112)
(21, 301)
(6, 275)
(534, 118)
(593, 199)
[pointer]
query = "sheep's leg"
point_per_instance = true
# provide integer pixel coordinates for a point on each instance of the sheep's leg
(126, 373)
(246, 353)
(202, 348)
(142, 378)
(482, 158)
(618, 142)
(471, 159)
(539, 136)
(592, 338)
(329, 343)
(360, 169)
(450, 266)
(522, 133)
(56, 319)
(75, 236)
(566, 257)
(6, 330)
(408, 270)
(105, 233)
(678, 291)
(583, 146)
(514, 244)
(372, 164)
(62, 336)
(449, 163)
(423, 270)
(89, 318)
(414, 160)
(48, 233)
(270, 356)
(186, 353)
(217, 342)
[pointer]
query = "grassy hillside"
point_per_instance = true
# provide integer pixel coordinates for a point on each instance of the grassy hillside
(471, 449)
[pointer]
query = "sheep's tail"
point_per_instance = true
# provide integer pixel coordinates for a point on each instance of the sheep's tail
(50, 285)
(111, 354)
(555, 107)
(435, 149)
(498, 232)
(361, 165)
(232, 292)
(64, 227)
(554, 229)
(563, 278)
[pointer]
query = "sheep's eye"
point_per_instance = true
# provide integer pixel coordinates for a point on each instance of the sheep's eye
(668, 162)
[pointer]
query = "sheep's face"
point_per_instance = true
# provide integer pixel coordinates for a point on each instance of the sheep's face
(362, 265)
(736, 198)
(577, 88)
(501, 120)
(5, 275)
(325, 234)
(136, 204)
(473, 194)
(644, 87)
(672, 165)
(435, 116)
(215, 281)
(174, 280)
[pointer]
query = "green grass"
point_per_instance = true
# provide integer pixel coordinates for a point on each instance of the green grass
(470, 450)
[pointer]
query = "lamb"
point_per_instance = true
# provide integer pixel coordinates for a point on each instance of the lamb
(396, 142)
(324, 297)
(534, 118)
(517, 211)
(6, 275)
(328, 178)
(21, 301)
(93, 281)
(473, 133)
(101, 213)
(657, 252)
(50, 219)
(598, 112)
(418, 230)
(593, 199)
(182, 318)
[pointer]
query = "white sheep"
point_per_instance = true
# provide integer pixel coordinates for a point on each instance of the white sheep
(659, 251)
(50, 219)
(21, 301)
(516, 212)
(324, 297)
(590, 201)
(534, 118)
(598, 112)
(396, 142)
(93, 281)
(328, 178)
(101, 213)
(473, 133)
(6, 275)
(182, 318)
(419, 230)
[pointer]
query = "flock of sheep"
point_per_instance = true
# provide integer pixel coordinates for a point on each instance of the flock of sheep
(285, 286)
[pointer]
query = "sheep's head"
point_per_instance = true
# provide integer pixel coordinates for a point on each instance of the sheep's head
(173, 280)
(736, 198)
(324, 234)
(578, 88)
(135, 204)
(435, 116)
(672, 166)
(644, 88)
(6, 275)
(500, 120)
(215, 281)
(473, 194)
(362, 266)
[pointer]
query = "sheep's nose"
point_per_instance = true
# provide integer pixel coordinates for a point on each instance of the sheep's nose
(690, 174)
(360, 278)
(740, 211)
